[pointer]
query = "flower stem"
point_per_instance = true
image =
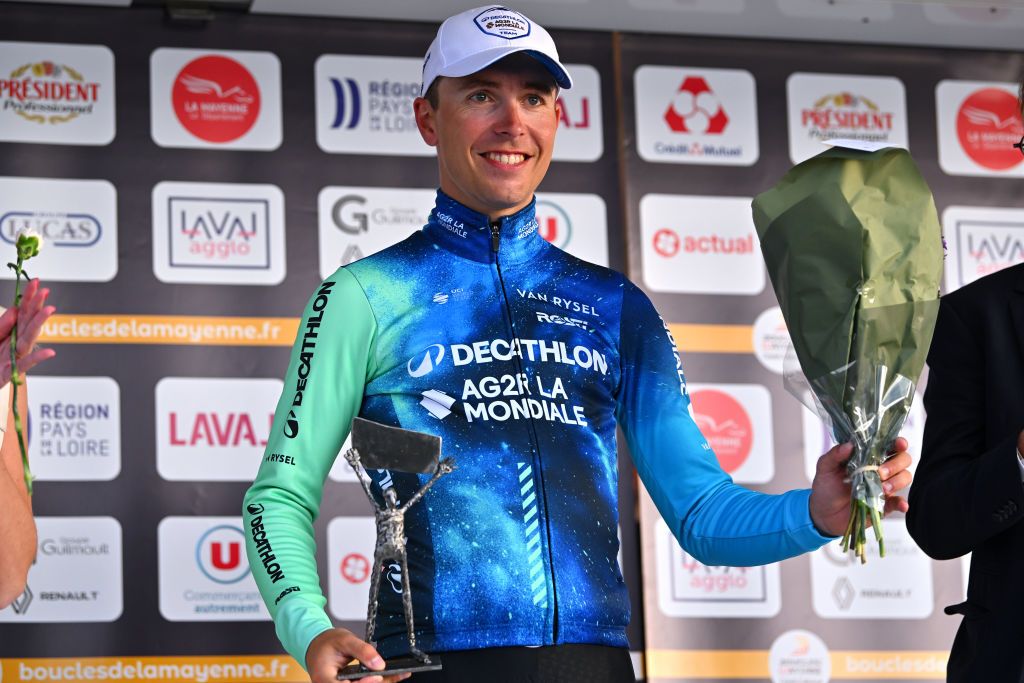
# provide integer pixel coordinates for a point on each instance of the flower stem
(16, 379)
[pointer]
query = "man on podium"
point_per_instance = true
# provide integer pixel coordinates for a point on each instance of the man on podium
(526, 370)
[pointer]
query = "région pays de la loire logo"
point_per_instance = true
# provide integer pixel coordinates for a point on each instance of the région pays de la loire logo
(696, 109)
(216, 98)
(48, 93)
(987, 125)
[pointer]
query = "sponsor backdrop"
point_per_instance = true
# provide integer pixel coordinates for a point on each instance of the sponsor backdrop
(195, 182)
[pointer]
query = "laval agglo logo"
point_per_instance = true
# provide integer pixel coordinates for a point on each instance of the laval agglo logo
(987, 125)
(216, 98)
(726, 425)
(48, 93)
(219, 555)
(696, 109)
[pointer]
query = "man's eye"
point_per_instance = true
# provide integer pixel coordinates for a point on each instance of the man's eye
(478, 97)
(535, 100)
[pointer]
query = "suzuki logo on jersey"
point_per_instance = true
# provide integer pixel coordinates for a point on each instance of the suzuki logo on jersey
(219, 555)
(426, 363)
(696, 109)
(346, 101)
(554, 224)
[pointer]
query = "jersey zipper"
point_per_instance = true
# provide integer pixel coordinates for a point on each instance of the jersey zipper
(495, 244)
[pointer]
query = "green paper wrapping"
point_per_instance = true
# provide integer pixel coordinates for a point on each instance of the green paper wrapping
(853, 247)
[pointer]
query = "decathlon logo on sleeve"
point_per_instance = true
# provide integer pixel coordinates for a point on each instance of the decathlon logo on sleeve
(223, 99)
(364, 105)
(77, 219)
(56, 93)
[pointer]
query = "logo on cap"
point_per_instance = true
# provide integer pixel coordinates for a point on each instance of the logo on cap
(502, 22)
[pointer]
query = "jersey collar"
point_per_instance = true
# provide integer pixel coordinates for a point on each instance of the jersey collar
(468, 233)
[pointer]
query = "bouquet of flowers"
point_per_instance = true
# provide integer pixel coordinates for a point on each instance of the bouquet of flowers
(853, 247)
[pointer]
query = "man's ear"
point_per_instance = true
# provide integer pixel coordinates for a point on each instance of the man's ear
(426, 120)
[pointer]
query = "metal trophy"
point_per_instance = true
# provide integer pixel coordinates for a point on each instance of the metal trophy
(379, 447)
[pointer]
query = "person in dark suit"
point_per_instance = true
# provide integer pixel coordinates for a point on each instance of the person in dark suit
(968, 495)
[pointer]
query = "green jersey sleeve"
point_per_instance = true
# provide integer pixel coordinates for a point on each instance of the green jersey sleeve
(323, 390)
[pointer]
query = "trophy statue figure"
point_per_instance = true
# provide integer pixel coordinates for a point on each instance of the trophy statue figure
(376, 446)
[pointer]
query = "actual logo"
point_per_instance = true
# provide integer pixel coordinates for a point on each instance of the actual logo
(77, 218)
(56, 93)
(832, 106)
(218, 233)
(978, 124)
(699, 245)
(696, 116)
(224, 99)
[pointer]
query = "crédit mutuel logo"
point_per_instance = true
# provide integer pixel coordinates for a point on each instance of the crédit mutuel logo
(55, 93)
(696, 116)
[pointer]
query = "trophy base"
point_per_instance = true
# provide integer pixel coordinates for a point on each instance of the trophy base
(398, 665)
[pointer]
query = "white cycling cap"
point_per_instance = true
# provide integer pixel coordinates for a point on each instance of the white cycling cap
(475, 39)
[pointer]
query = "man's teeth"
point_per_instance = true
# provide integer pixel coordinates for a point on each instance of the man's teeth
(506, 158)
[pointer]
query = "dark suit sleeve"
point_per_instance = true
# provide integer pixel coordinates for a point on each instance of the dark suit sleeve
(964, 492)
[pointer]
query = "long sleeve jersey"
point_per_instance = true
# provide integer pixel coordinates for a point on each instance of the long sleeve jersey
(523, 359)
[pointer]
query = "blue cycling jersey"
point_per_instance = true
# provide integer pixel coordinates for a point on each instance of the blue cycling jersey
(524, 359)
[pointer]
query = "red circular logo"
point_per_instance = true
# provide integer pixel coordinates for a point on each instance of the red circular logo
(355, 568)
(988, 124)
(216, 98)
(666, 242)
(726, 426)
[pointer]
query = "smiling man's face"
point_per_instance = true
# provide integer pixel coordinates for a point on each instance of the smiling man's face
(494, 131)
